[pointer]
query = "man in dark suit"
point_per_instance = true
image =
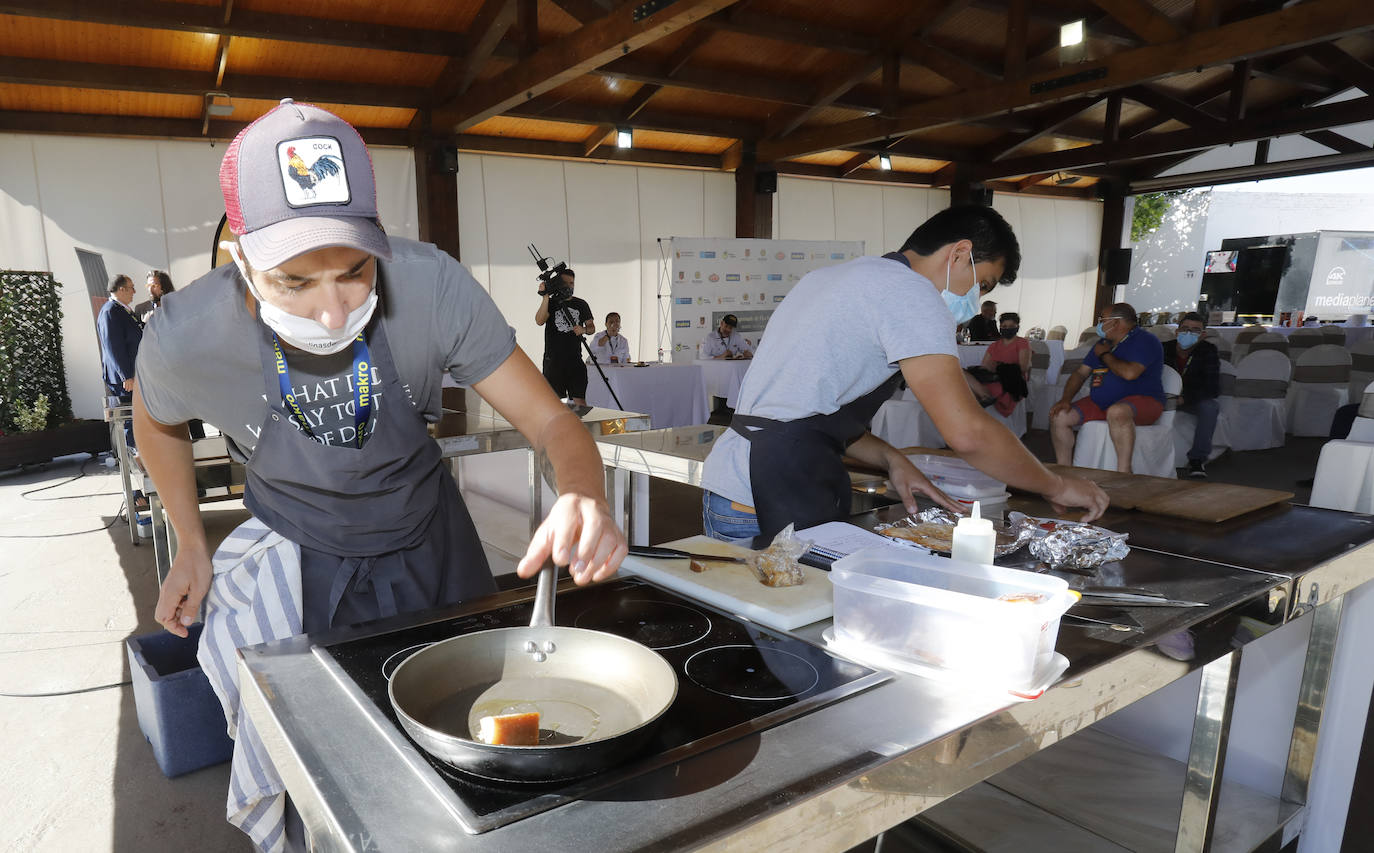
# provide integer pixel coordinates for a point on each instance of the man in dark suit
(1197, 361)
(120, 333)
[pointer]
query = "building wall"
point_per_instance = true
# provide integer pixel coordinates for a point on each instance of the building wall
(145, 204)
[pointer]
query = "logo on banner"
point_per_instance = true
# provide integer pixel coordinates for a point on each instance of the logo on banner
(747, 252)
(733, 276)
(705, 255)
(724, 254)
(754, 277)
(682, 324)
(818, 256)
(715, 277)
(763, 297)
(777, 298)
(837, 256)
(1336, 277)
(697, 275)
(780, 256)
(701, 322)
(744, 299)
(798, 256)
(684, 300)
(681, 274)
(702, 300)
(724, 299)
(686, 254)
(775, 276)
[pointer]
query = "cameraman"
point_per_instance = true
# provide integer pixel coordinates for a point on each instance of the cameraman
(565, 319)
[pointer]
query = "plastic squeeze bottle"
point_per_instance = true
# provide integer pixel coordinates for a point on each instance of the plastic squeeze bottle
(974, 538)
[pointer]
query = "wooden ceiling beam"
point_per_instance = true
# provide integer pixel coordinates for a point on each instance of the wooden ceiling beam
(488, 28)
(1206, 14)
(1164, 102)
(725, 83)
(573, 151)
(1337, 142)
(583, 11)
(1042, 124)
(1100, 27)
(527, 28)
(1344, 66)
(1257, 126)
(1273, 32)
(166, 81)
(1014, 51)
(1142, 18)
(645, 119)
(955, 69)
(247, 23)
(636, 102)
(73, 124)
(597, 43)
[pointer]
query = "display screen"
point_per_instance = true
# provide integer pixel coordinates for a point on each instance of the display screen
(1221, 261)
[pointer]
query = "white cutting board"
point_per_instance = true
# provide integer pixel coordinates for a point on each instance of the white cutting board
(733, 588)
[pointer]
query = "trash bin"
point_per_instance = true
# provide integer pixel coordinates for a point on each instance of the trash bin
(178, 712)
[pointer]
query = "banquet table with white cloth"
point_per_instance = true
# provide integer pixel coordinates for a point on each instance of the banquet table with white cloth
(672, 395)
(722, 377)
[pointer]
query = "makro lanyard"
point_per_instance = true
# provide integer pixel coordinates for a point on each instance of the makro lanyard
(362, 388)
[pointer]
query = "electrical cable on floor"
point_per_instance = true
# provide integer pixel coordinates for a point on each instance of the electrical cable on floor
(65, 692)
(82, 473)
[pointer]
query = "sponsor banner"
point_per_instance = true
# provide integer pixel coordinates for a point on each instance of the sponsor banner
(712, 277)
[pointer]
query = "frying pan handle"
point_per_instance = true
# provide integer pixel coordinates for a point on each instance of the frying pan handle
(543, 597)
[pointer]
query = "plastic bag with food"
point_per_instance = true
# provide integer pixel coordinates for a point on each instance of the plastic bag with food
(777, 564)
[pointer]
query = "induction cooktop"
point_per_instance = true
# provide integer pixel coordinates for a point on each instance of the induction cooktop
(734, 678)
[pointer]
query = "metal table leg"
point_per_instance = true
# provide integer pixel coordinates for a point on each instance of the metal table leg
(638, 498)
(121, 451)
(536, 482)
(1207, 754)
(162, 554)
(1316, 676)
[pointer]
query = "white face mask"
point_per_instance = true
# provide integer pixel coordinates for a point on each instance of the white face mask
(305, 333)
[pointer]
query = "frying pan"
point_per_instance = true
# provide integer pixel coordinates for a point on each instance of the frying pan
(599, 696)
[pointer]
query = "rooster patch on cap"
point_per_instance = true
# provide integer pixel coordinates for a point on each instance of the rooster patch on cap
(313, 172)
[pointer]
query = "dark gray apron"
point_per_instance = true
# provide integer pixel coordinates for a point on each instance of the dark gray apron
(381, 528)
(796, 468)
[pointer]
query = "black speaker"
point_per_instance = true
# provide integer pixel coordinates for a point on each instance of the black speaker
(765, 182)
(1118, 267)
(448, 159)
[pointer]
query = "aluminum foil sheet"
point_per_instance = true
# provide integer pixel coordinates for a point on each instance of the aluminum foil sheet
(1070, 545)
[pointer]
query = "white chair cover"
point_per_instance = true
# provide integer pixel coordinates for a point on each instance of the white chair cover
(1241, 347)
(1320, 386)
(1266, 341)
(1185, 423)
(1154, 444)
(1363, 427)
(1332, 335)
(1302, 340)
(1345, 476)
(1043, 400)
(904, 423)
(1057, 333)
(1255, 413)
(1223, 345)
(1088, 336)
(1361, 368)
(1041, 383)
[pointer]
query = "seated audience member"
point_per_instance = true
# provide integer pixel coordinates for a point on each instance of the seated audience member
(1311, 321)
(983, 327)
(725, 342)
(611, 347)
(1198, 362)
(1126, 391)
(1001, 379)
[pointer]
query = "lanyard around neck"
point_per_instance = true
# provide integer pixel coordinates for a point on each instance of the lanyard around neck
(361, 382)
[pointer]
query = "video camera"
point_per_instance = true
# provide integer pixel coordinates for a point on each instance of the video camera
(551, 276)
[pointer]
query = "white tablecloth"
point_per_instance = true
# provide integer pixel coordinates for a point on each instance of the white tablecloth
(672, 395)
(722, 377)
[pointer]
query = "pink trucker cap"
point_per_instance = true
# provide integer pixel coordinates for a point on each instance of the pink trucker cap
(298, 179)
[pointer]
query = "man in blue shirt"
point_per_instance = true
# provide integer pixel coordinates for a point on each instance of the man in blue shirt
(1124, 369)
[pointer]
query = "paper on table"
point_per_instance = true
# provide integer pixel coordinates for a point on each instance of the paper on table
(836, 539)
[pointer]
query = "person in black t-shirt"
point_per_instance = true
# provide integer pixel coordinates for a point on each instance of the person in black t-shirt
(983, 327)
(565, 321)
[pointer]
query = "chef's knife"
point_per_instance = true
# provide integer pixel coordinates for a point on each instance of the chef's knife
(675, 554)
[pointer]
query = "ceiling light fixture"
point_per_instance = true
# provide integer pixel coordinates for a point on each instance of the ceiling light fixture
(885, 162)
(624, 137)
(1071, 33)
(218, 110)
(1062, 179)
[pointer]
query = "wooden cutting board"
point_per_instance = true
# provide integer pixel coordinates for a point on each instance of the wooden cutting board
(733, 587)
(1186, 499)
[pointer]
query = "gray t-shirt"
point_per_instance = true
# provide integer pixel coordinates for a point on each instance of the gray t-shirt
(838, 335)
(200, 354)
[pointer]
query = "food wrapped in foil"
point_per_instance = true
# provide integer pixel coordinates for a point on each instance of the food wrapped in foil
(934, 529)
(1070, 545)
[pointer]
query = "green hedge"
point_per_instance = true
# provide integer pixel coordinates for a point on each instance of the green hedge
(31, 346)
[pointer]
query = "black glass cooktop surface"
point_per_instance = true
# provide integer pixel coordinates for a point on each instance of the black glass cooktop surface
(734, 678)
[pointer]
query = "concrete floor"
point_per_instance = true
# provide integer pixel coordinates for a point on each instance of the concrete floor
(81, 777)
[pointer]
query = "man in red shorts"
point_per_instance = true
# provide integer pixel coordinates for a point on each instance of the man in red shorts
(1124, 370)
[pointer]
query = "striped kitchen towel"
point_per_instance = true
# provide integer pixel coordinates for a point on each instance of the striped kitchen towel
(255, 597)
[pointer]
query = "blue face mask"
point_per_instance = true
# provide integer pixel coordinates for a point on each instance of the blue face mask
(1101, 331)
(1188, 340)
(962, 307)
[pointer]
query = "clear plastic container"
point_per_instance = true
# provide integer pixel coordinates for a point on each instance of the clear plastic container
(960, 480)
(980, 623)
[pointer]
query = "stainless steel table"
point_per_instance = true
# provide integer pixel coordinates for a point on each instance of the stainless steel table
(838, 776)
(676, 454)
(117, 415)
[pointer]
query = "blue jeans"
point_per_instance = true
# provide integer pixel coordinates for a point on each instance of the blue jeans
(721, 521)
(1206, 412)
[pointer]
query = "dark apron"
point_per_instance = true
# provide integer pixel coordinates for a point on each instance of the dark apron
(381, 528)
(796, 468)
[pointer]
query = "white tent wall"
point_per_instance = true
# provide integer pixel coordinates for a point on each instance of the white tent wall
(142, 205)
(1058, 237)
(1166, 267)
(145, 204)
